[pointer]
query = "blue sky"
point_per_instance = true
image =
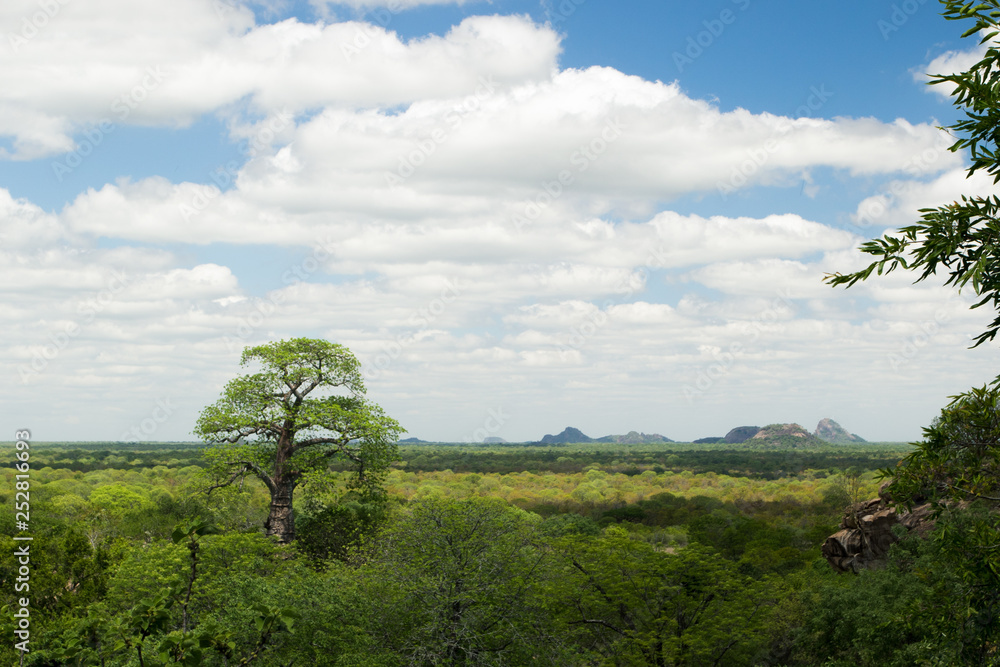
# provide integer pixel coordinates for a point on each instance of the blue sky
(566, 213)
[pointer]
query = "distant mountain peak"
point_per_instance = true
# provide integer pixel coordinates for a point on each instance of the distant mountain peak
(831, 431)
(569, 434)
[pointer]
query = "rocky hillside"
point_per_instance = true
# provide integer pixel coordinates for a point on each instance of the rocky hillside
(784, 435)
(569, 434)
(831, 431)
(741, 434)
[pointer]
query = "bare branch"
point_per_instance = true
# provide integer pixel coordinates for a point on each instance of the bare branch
(245, 467)
(239, 473)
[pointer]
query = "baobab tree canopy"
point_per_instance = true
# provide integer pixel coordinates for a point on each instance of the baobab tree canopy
(303, 408)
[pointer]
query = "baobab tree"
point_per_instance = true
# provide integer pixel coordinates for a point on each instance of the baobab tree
(304, 408)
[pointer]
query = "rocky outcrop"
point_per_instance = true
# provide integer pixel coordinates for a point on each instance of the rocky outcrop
(708, 441)
(784, 436)
(575, 435)
(779, 430)
(741, 434)
(866, 533)
(831, 431)
(568, 435)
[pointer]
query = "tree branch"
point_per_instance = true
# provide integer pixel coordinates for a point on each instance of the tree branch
(239, 473)
(597, 621)
(245, 467)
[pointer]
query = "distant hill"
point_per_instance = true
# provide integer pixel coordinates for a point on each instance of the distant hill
(413, 441)
(569, 434)
(635, 438)
(741, 434)
(493, 440)
(709, 441)
(831, 431)
(784, 435)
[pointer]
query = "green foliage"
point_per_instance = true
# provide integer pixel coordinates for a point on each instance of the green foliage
(455, 582)
(98, 581)
(723, 459)
(957, 461)
(160, 628)
(629, 604)
(960, 238)
(285, 423)
(959, 457)
(329, 530)
(561, 525)
(935, 603)
(331, 628)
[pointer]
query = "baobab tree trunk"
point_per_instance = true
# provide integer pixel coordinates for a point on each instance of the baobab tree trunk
(280, 520)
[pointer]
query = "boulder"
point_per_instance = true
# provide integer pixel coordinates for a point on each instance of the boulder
(867, 533)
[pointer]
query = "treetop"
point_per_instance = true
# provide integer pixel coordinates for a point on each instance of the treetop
(308, 363)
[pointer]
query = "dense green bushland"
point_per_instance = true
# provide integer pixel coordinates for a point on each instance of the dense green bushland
(595, 565)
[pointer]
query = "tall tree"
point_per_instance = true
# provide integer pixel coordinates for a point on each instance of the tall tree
(304, 408)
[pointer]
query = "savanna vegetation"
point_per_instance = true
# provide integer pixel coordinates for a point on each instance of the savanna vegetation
(300, 534)
(634, 561)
